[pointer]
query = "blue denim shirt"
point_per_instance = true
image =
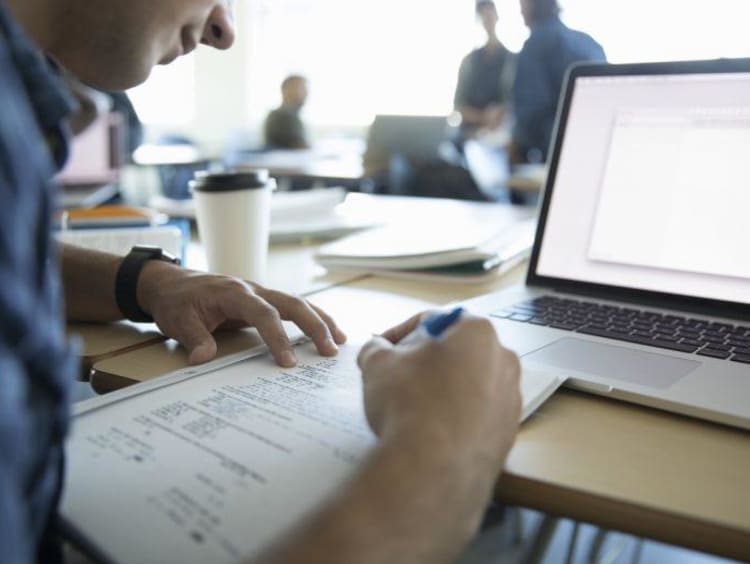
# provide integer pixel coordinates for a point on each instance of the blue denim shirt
(36, 362)
(542, 63)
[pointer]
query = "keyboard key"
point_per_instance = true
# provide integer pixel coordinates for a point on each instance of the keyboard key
(680, 347)
(714, 353)
(713, 339)
(744, 358)
(664, 337)
(565, 326)
(539, 321)
(643, 334)
(687, 334)
(520, 317)
(743, 351)
(502, 314)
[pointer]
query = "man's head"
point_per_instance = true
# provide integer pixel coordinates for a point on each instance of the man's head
(114, 44)
(487, 14)
(537, 10)
(294, 91)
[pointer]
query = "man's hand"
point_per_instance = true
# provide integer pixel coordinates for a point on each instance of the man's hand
(462, 391)
(189, 306)
(447, 413)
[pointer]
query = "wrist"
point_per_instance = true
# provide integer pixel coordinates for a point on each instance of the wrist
(129, 277)
(153, 277)
(443, 444)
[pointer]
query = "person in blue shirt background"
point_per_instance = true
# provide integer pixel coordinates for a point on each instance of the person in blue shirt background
(485, 78)
(542, 63)
(389, 511)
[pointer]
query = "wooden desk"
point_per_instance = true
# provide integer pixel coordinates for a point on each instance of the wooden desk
(619, 466)
(98, 344)
(616, 465)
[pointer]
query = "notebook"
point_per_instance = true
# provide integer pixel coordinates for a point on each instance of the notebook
(437, 248)
(210, 464)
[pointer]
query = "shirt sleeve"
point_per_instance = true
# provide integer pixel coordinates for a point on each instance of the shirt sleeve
(284, 130)
(15, 531)
(531, 96)
(460, 99)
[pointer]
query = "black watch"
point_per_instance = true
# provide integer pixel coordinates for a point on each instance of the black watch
(126, 283)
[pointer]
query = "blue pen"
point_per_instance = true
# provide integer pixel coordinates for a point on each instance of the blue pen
(433, 326)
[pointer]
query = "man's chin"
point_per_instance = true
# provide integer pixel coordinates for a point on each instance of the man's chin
(116, 81)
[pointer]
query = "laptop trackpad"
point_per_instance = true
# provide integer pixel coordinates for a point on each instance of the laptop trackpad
(613, 362)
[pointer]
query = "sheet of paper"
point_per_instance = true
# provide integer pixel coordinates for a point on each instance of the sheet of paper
(211, 469)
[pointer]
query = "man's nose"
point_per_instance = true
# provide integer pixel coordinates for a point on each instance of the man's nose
(219, 31)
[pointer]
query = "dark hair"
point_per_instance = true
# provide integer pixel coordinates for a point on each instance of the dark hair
(482, 4)
(543, 9)
(292, 78)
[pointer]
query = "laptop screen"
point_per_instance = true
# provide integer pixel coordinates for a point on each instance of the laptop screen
(652, 186)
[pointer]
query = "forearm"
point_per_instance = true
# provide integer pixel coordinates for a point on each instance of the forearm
(413, 501)
(472, 116)
(89, 284)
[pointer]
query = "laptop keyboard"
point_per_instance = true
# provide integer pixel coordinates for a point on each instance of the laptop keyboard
(688, 335)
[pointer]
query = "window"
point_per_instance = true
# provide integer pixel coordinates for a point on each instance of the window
(365, 57)
(168, 97)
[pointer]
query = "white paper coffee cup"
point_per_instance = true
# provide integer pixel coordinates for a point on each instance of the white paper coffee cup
(233, 210)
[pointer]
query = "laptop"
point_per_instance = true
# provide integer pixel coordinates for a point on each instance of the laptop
(638, 287)
(415, 138)
(91, 175)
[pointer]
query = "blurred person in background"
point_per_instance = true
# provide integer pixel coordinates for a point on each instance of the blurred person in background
(542, 63)
(284, 128)
(485, 79)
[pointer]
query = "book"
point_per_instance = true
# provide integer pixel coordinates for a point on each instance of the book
(315, 214)
(119, 241)
(109, 217)
(210, 464)
(472, 252)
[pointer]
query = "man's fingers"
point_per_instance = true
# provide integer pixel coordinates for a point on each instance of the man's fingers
(196, 338)
(308, 318)
(267, 321)
(338, 335)
(396, 334)
(374, 348)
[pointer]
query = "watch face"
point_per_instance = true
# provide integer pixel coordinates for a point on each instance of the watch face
(155, 253)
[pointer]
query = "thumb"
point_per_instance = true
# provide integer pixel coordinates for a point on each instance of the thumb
(375, 348)
(195, 337)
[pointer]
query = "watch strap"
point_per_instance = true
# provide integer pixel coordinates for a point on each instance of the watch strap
(126, 281)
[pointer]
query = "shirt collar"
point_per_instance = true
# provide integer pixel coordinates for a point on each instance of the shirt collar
(47, 93)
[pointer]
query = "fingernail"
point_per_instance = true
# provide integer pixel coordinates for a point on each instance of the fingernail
(332, 346)
(288, 359)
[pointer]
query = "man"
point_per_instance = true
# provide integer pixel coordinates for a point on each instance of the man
(284, 128)
(485, 78)
(442, 413)
(542, 63)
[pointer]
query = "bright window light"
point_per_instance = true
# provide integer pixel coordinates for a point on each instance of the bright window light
(367, 57)
(167, 98)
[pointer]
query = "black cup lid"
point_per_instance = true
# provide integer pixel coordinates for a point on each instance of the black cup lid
(229, 181)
